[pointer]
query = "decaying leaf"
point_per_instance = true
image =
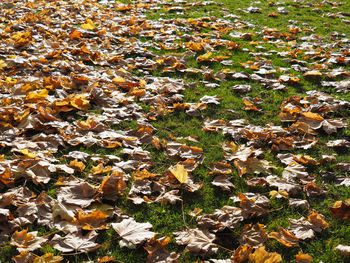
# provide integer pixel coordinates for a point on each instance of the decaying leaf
(253, 235)
(341, 210)
(344, 250)
(75, 241)
(197, 241)
(27, 241)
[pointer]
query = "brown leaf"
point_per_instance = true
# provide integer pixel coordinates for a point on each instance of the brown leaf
(242, 254)
(76, 241)
(253, 235)
(344, 250)
(113, 186)
(223, 181)
(80, 194)
(197, 241)
(157, 252)
(341, 210)
(317, 220)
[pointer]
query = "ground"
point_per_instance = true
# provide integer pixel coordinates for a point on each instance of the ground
(182, 131)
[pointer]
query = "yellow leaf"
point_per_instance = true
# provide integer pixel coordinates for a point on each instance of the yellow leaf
(37, 95)
(180, 173)
(204, 57)
(119, 80)
(194, 46)
(48, 258)
(10, 80)
(99, 169)
(2, 64)
(273, 194)
(27, 153)
(89, 25)
(79, 102)
(77, 165)
(260, 255)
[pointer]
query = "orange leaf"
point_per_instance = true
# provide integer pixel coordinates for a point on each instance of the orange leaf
(77, 165)
(303, 258)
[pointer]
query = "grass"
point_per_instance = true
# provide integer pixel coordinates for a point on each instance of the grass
(167, 219)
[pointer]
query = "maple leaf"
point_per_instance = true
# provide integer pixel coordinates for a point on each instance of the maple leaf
(242, 254)
(253, 235)
(133, 232)
(223, 181)
(260, 255)
(180, 173)
(27, 241)
(89, 25)
(341, 210)
(75, 241)
(157, 252)
(197, 241)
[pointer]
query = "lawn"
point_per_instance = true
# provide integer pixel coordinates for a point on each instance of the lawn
(174, 131)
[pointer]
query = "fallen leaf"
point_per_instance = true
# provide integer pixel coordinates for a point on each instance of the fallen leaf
(132, 232)
(303, 258)
(180, 173)
(260, 255)
(197, 241)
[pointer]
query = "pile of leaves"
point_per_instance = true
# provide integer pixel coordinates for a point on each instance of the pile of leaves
(120, 139)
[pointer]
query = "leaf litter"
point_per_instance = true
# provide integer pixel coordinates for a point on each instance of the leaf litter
(72, 74)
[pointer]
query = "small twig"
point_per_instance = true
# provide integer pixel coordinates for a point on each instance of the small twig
(231, 251)
(274, 210)
(183, 213)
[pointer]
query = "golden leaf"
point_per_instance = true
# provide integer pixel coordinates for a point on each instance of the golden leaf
(303, 258)
(27, 153)
(2, 64)
(89, 25)
(77, 165)
(37, 95)
(48, 258)
(204, 57)
(260, 255)
(180, 173)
